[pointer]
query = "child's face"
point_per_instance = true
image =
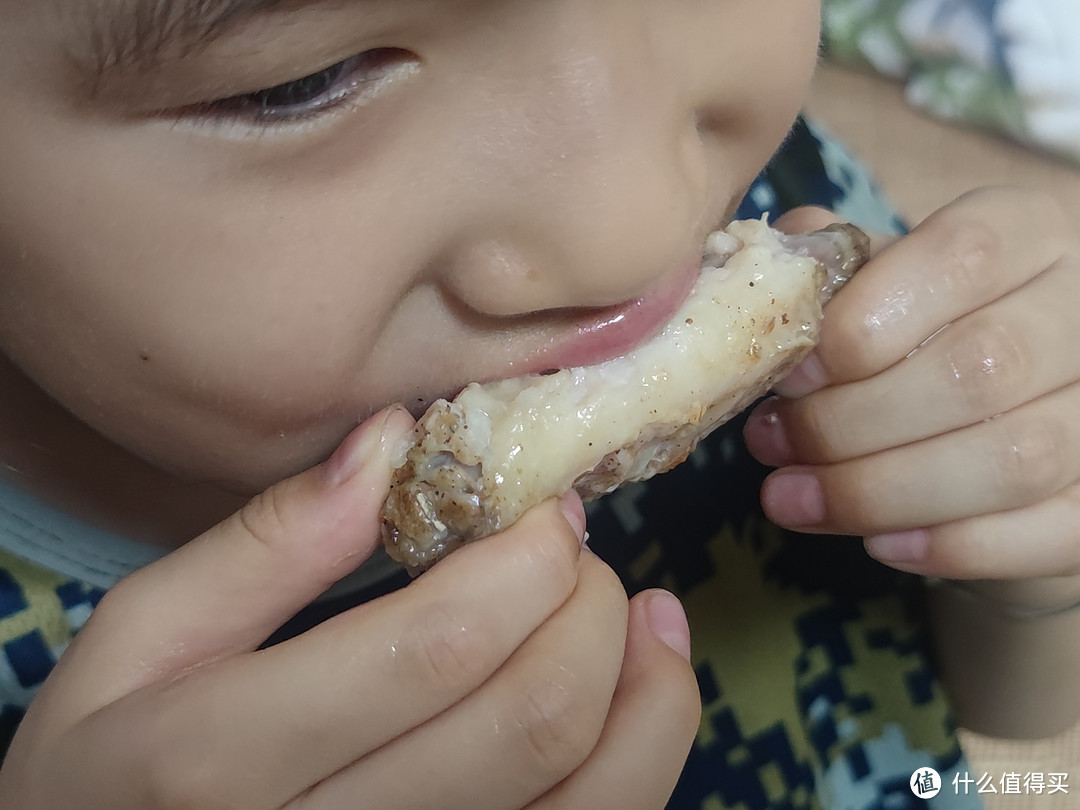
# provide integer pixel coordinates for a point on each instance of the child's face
(226, 288)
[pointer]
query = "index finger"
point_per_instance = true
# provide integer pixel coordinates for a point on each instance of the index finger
(326, 698)
(964, 256)
(256, 729)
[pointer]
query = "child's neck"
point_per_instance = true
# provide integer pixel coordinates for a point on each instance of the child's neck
(47, 452)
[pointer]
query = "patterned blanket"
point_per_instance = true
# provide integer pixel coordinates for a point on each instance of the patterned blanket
(1012, 66)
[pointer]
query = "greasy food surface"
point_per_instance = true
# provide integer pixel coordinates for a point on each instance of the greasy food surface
(479, 462)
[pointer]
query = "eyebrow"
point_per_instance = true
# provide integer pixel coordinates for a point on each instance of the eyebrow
(137, 33)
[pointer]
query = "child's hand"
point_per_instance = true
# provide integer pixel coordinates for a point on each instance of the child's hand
(511, 675)
(940, 415)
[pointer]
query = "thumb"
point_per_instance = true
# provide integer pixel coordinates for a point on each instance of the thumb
(228, 589)
(805, 218)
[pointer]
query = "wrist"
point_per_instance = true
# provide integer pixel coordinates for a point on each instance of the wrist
(1018, 600)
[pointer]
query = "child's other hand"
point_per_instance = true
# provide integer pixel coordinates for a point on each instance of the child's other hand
(514, 674)
(940, 415)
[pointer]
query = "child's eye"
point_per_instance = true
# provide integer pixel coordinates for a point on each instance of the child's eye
(310, 95)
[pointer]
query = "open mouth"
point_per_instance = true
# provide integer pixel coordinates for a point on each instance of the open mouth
(599, 335)
(480, 461)
(544, 342)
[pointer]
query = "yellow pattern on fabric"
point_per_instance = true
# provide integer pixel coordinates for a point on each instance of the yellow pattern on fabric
(745, 628)
(43, 612)
(881, 672)
(758, 636)
(773, 782)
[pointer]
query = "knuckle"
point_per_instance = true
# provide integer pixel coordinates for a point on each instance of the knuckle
(987, 364)
(971, 249)
(443, 653)
(558, 723)
(1031, 459)
(263, 519)
(1036, 203)
(1038, 214)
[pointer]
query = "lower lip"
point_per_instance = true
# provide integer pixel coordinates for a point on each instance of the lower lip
(612, 332)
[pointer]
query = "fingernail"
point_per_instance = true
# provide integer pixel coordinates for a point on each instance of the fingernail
(794, 499)
(374, 436)
(765, 435)
(667, 620)
(574, 512)
(806, 378)
(899, 547)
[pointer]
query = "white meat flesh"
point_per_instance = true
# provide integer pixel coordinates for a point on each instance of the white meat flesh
(479, 462)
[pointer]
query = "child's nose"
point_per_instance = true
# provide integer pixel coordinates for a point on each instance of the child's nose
(596, 174)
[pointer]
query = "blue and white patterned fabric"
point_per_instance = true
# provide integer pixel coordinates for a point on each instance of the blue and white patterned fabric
(1008, 65)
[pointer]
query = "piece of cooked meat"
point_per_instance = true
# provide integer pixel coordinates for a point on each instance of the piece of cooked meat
(479, 462)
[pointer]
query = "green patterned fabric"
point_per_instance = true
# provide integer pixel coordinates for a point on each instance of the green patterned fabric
(1010, 66)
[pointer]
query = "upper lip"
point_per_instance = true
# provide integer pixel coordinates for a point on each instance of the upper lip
(596, 335)
(586, 336)
(602, 334)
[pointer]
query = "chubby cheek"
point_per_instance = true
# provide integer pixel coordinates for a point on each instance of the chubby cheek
(220, 346)
(246, 398)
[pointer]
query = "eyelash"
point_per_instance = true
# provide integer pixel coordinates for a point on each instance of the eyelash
(308, 97)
